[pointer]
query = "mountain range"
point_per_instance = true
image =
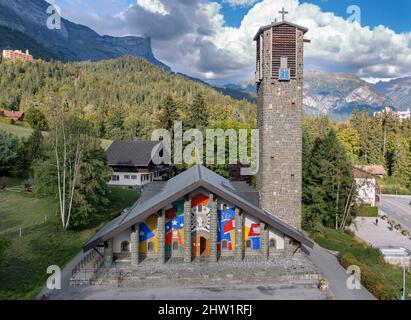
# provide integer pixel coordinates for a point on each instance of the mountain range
(336, 94)
(23, 24)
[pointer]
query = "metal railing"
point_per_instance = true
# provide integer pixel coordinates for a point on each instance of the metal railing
(94, 258)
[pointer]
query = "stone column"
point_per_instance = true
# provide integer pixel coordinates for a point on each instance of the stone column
(134, 245)
(238, 235)
(187, 231)
(108, 253)
(161, 236)
(213, 228)
(264, 239)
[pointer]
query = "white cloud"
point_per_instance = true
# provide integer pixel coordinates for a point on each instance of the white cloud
(192, 38)
(153, 6)
(240, 3)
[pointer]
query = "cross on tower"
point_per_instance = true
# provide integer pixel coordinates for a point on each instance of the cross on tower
(283, 13)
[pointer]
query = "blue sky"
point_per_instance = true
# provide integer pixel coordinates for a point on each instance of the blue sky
(212, 39)
(395, 14)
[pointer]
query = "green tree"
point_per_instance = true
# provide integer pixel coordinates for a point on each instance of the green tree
(73, 171)
(168, 113)
(8, 151)
(197, 116)
(29, 151)
(350, 139)
(371, 137)
(402, 162)
(328, 186)
(36, 119)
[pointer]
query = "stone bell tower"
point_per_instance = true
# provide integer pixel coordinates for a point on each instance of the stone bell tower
(279, 78)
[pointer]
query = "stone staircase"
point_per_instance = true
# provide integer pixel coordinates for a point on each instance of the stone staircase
(199, 274)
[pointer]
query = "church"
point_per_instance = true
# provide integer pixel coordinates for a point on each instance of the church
(200, 216)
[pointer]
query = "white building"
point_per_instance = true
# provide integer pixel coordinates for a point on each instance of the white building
(132, 165)
(397, 256)
(366, 178)
(402, 115)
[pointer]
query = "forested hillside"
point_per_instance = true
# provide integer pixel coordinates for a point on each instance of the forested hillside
(121, 98)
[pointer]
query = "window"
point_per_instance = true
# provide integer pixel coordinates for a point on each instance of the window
(115, 178)
(134, 177)
(150, 246)
(248, 244)
(125, 246)
(272, 243)
(175, 246)
(224, 245)
(127, 177)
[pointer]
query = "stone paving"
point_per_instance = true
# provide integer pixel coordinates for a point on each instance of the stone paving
(379, 236)
(251, 271)
(289, 291)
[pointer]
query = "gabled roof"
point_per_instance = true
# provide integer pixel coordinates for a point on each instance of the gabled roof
(130, 153)
(15, 115)
(374, 169)
(276, 24)
(159, 195)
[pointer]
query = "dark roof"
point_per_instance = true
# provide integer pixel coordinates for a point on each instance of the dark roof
(131, 153)
(162, 194)
(275, 24)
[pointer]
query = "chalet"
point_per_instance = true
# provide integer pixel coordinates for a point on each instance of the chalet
(366, 178)
(132, 165)
(12, 115)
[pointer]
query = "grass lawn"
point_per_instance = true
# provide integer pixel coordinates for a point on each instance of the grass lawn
(25, 132)
(380, 278)
(367, 212)
(19, 131)
(43, 243)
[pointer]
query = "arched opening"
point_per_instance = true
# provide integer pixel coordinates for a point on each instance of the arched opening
(150, 246)
(272, 243)
(125, 247)
(203, 245)
(248, 244)
(224, 245)
(175, 246)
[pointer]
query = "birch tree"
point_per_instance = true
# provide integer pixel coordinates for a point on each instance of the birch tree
(68, 148)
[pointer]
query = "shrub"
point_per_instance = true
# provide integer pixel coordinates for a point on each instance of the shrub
(36, 119)
(374, 282)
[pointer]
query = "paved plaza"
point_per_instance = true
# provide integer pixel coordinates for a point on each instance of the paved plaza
(379, 236)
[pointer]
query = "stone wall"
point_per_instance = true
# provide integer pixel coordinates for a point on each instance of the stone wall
(279, 117)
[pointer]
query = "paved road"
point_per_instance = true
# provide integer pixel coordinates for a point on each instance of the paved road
(398, 208)
(268, 292)
(336, 274)
(326, 262)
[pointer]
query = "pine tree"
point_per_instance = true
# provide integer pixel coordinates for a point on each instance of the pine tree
(402, 162)
(371, 137)
(198, 114)
(328, 184)
(168, 113)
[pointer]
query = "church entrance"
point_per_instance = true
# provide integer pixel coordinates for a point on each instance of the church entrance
(201, 246)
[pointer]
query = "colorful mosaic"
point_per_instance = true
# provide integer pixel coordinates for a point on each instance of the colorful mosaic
(175, 227)
(226, 228)
(148, 235)
(252, 233)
